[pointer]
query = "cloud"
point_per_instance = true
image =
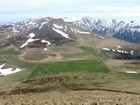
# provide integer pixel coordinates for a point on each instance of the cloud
(123, 12)
(58, 6)
(101, 8)
(32, 6)
(114, 9)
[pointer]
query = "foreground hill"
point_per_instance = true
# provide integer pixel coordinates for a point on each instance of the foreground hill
(72, 98)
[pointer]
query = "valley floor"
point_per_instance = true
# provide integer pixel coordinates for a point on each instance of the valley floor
(73, 74)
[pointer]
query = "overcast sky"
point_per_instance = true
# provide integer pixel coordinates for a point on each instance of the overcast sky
(15, 10)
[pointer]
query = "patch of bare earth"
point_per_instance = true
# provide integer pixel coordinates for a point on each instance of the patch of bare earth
(34, 56)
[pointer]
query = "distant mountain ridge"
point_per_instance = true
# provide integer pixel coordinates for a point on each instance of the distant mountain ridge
(48, 31)
(40, 32)
(129, 31)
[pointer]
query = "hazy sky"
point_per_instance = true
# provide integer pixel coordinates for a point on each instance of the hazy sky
(15, 10)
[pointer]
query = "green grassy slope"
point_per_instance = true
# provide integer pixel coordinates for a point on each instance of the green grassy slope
(69, 67)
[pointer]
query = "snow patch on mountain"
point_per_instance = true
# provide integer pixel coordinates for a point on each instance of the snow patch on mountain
(82, 32)
(107, 49)
(72, 18)
(8, 36)
(42, 24)
(119, 51)
(31, 35)
(61, 33)
(57, 26)
(31, 22)
(132, 52)
(72, 30)
(47, 42)
(8, 71)
(131, 72)
(118, 46)
(113, 50)
(15, 30)
(45, 49)
(101, 37)
(65, 29)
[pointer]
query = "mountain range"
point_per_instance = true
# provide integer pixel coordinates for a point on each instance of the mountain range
(39, 32)
(58, 31)
(129, 31)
